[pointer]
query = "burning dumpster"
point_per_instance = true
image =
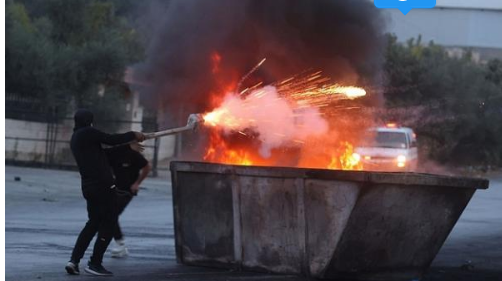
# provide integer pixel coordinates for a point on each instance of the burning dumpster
(319, 223)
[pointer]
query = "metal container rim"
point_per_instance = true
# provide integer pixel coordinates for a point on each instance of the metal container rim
(398, 178)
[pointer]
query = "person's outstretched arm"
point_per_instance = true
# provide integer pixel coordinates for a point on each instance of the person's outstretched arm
(116, 139)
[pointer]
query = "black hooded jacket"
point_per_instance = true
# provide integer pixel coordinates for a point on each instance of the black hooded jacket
(91, 159)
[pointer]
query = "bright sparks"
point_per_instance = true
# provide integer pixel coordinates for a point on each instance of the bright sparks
(350, 92)
(285, 115)
(302, 91)
(315, 90)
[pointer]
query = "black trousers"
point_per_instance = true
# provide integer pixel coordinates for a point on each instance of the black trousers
(102, 213)
(123, 199)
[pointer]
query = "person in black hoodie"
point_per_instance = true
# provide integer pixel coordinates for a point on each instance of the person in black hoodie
(98, 189)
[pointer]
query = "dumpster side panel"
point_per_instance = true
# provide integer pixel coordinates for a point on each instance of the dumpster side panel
(205, 218)
(395, 232)
(328, 208)
(271, 232)
(320, 223)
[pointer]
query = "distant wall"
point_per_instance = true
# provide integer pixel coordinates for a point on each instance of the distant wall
(24, 150)
(166, 150)
(25, 141)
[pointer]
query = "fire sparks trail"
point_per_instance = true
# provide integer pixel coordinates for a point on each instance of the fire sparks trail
(315, 90)
(350, 92)
(311, 91)
(280, 116)
(249, 73)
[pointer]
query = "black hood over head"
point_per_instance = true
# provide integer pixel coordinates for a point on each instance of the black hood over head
(83, 118)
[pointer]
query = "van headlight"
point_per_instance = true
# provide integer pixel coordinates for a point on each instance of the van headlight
(401, 161)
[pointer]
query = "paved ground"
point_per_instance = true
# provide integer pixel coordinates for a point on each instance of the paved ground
(45, 211)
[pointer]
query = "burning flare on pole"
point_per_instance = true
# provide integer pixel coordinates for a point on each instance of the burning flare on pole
(284, 115)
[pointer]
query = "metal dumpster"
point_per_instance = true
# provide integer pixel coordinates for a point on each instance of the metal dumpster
(317, 223)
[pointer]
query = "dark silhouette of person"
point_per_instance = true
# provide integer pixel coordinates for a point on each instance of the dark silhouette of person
(98, 189)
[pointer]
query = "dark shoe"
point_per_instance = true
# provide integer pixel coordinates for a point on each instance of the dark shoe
(97, 270)
(72, 268)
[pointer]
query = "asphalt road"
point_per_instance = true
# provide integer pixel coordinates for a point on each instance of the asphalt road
(45, 211)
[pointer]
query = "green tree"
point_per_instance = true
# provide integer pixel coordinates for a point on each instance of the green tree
(460, 99)
(28, 55)
(69, 51)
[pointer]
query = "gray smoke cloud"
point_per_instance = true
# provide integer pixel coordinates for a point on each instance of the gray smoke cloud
(343, 38)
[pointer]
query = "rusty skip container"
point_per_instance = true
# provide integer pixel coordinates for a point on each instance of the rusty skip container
(316, 223)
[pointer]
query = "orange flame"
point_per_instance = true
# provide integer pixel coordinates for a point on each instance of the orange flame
(344, 158)
(301, 92)
(219, 151)
(338, 158)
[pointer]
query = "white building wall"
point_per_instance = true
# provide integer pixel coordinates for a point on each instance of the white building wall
(167, 146)
(21, 149)
(449, 26)
(468, 24)
(25, 141)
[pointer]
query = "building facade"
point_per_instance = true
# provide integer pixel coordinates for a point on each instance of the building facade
(459, 25)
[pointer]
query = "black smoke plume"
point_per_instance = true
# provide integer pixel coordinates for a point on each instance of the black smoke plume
(341, 37)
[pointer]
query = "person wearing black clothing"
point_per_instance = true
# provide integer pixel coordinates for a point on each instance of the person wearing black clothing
(98, 189)
(130, 169)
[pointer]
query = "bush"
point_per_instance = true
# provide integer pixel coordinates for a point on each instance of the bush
(460, 121)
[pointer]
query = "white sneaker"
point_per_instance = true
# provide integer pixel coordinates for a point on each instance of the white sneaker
(120, 251)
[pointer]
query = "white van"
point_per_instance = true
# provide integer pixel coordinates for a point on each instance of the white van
(389, 148)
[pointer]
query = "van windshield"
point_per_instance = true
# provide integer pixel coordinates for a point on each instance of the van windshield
(390, 140)
(386, 140)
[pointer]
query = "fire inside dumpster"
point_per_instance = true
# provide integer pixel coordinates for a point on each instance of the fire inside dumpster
(285, 190)
(329, 224)
(287, 123)
(307, 120)
(288, 91)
